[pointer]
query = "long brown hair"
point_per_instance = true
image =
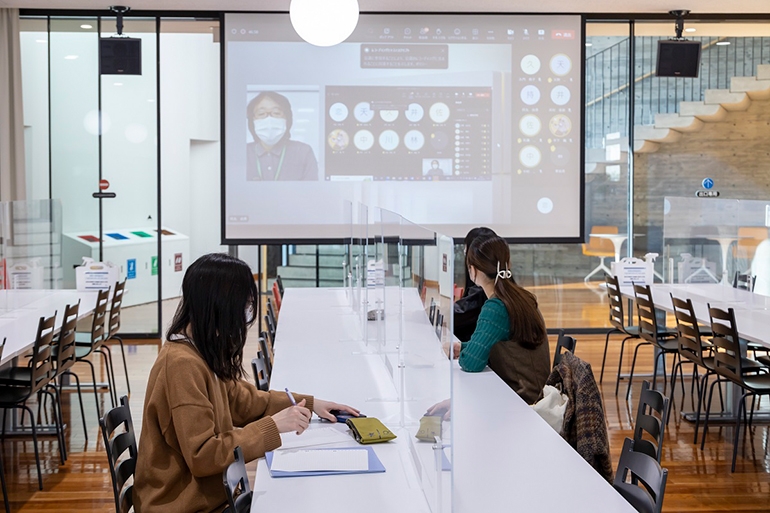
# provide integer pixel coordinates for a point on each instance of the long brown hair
(491, 256)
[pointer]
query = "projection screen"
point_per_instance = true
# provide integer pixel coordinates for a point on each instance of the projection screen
(452, 121)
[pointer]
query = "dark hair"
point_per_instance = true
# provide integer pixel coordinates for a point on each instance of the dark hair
(491, 255)
(475, 233)
(218, 306)
(282, 102)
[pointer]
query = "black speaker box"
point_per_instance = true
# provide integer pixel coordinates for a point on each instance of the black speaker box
(120, 56)
(678, 58)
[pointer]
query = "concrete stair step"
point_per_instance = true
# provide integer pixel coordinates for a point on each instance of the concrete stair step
(678, 122)
(727, 99)
(763, 72)
(700, 110)
(658, 135)
(309, 260)
(756, 89)
(645, 146)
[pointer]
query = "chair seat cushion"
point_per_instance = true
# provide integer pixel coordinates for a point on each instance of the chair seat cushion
(765, 360)
(638, 498)
(11, 375)
(669, 345)
(10, 395)
(83, 338)
(758, 382)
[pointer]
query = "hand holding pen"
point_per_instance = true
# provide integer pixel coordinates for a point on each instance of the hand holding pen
(294, 418)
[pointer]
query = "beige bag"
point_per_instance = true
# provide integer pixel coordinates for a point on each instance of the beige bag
(552, 407)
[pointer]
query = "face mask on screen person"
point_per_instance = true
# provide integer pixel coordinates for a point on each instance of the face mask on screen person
(270, 130)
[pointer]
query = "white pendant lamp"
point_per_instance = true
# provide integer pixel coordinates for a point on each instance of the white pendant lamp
(324, 22)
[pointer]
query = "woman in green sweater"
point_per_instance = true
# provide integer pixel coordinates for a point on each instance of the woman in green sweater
(510, 334)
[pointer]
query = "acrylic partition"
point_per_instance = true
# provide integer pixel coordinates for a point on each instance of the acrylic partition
(31, 248)
(708, 240)
(425, 377)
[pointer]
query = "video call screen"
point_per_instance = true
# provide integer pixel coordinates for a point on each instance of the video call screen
(452, 121)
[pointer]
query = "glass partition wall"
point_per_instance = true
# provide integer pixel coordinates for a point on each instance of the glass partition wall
(132, 135)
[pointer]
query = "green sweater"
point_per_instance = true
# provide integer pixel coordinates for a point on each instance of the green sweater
(524, 370)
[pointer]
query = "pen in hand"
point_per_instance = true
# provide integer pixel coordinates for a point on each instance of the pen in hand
(291, 397)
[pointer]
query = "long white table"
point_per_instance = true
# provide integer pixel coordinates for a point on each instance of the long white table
(502, 452)
(21, 310)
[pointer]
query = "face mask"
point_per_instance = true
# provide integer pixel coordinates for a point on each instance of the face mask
(270, 130)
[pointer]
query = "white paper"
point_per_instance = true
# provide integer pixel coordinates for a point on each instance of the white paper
(322, 435)
(308, 460)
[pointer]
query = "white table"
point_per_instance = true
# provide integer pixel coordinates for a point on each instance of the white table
(21, 310)
(502, 452)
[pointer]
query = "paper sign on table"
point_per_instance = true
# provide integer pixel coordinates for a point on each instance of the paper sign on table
(313, 460)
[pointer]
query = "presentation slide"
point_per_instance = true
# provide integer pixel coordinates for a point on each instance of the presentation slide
(452, 121)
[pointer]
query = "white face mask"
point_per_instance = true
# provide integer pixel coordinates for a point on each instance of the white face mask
(270, 130)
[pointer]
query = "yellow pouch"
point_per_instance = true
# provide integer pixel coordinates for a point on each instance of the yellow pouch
(430, 427)
(368, 430)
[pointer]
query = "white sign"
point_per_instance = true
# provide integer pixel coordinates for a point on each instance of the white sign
(632, 270)
(95, 275)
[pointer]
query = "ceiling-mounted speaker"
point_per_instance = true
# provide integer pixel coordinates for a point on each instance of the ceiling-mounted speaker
(678, 58)
(120, 56)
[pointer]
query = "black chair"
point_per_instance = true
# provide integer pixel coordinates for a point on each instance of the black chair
(661, 338)
(270, 328)
(271, 312)
(566, 343)
(84, 348)
(113, 326)
(439, 323)
(236, 483)
(651, 418)
(270, 340)
(258, 367)
(267, 351)
(14, 394)
(432, 312)
(117, 444)
(64, 353)
(280, 284)
(731, 367)
(617, 320)
(640, 479)
(692, 349)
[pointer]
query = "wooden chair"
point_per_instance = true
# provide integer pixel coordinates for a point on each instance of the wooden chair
(651, 419)
(90, 344)
(731, 367)
(661, 338)
(566, 343)
(599, 247)
(640, 479)
(743, 281)
(65, 358)
(236, 482)
(113, 325)
(618, 322)
(14, 393)
(117, 444)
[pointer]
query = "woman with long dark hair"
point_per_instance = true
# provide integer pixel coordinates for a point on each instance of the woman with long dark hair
(510, 333)
(197, 407)
(468, 307)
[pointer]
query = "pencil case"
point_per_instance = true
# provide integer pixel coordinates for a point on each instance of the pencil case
(369, 430)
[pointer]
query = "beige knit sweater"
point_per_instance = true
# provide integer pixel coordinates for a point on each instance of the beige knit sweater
(192, 422)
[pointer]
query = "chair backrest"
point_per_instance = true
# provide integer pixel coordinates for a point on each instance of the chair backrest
(277, 297)
(271, 312)
(564, 342)
(42, 354)
(269, 338)
(270, 327)
(743, 281)
(117, 444)
(98, 335)
(432, 311)
(727, 348)
(259, 368)
(640, 479)
(65, 355)
(616, 302)
(651, 420)
(266, 350)
(279, 282)
(117, 301)
(645, 312)
(2, 346)
(688, 332)
(439, 323)
(236, 482)
(598, 245)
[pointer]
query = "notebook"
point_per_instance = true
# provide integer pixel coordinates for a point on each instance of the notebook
(308, 458)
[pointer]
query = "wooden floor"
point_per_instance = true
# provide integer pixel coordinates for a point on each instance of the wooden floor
(698, 480)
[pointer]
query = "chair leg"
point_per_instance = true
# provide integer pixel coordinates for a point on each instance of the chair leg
(125, 365)
(5, 489)
(99, 413)
(708, 411)
(604, 358)
(633, 365)
(741, 406)
(671, 393)
(701, 383)
(112, 374)
(620, 364)
(59, 426)
(37, 454)
(80, 400)
(110, 385)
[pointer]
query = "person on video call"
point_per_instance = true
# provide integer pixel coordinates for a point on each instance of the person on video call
(435, 169)
(274, 155)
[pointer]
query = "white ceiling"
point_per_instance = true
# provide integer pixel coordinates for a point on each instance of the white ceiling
(579, 6)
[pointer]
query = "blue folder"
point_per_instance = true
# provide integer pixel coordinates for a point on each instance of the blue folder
(375, 465)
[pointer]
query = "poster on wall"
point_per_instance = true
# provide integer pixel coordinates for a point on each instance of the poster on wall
(131, 269)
